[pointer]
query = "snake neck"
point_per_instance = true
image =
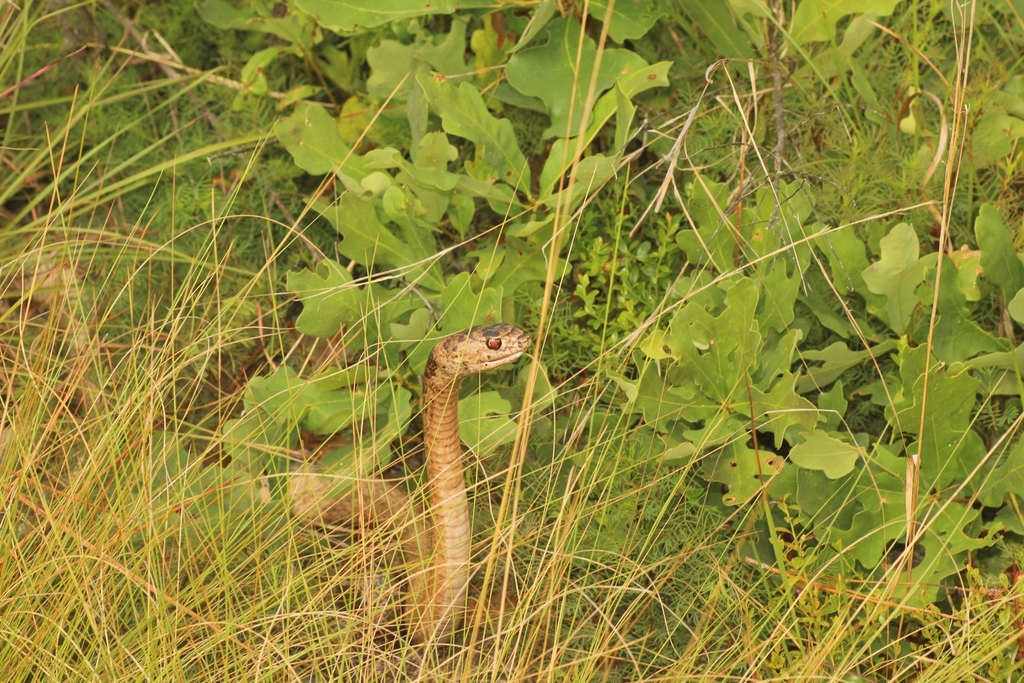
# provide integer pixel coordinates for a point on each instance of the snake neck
(441, 436)
(447, 489)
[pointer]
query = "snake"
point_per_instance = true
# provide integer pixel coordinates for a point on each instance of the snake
(436, 546)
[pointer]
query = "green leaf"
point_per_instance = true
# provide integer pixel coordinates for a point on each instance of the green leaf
(422, 174)
(293, 28)
(414, 331)
(778, 296)
(631, 19)
(816, 19)
(823, 503)
(624, 113)
(329, 299)
(499, 197)
(957, 337)
(491, 50)
(775, 357)
(1006, 478)
(847, 259)
(819, 451)
(968, 264)
(393, 64)
(779, 409)
(731, 341)
(544, 394)
(255, 439)
(290, 400)
(504, 92)
(825, 315)
(551, 72)
(949, 449)
(348, 16)
(897, 274)
(1006, 360)
(478, 427)
(743, 471)
(463, 113)
(994, 136)
(302, 92)
(338, 66)
(878, 490)
(998, 257)
(464, 308)
(544, 13)
(1016, 307)
(832, 406)
(367, 241)
(523, 261)
(612, 103)
(655, 345)
(592, 173)
(434, 153)
(838, 358)
(660, 402)
(312, 138)
(859, 76)
(727, 239)
(715, 21)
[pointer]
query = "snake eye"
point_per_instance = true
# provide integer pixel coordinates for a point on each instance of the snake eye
(494, 344)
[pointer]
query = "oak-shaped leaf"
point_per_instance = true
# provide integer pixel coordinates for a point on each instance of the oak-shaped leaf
(464, 114)
(312, 138)
(718, 351)
(629, 20)
(484, 423)
(554, 73)
(897, 275)
(393, 64)
(779, 409)
(716, 23)
(998, 257)
(367, 241)
(957, 337)
(744, 471)
(836, 359)
(614, 103)
(948, 448)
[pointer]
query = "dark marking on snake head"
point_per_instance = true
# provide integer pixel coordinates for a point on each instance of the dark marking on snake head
(476, 350)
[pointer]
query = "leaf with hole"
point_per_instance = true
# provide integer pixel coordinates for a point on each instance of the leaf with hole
(742, 470)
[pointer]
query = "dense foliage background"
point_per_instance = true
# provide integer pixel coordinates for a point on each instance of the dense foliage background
(769, 253)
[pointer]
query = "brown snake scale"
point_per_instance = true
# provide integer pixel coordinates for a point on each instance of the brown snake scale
(436, 547)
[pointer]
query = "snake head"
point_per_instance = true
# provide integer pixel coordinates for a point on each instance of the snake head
(482, 348)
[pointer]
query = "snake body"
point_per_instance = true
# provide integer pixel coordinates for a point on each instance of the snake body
(436, 548)
(454, 358)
